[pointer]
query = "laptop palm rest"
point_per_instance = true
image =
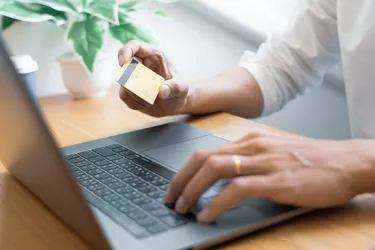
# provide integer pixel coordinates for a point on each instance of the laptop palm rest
(171, 144)
(176, 155)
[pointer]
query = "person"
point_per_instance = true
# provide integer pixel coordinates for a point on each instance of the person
(284, 168)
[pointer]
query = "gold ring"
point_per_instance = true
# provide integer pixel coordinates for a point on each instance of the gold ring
(237, 164)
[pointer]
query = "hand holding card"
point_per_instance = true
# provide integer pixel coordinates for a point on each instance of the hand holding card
(140, 80)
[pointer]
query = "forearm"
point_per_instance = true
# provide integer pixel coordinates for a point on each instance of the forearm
(234, 91)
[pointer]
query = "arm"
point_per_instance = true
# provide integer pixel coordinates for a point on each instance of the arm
(283, 67)
(228, 91)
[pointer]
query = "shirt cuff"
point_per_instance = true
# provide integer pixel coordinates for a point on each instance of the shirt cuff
(259, 72)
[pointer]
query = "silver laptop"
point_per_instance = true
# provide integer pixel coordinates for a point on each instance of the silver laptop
(110, 191)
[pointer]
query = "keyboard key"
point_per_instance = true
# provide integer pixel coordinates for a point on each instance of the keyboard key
(96, 159)
(152, 206)
(132, 195)
(136, 170)
(82, 163)
(102, 163)
(146, 221)
(76, 160)
(78, 173)
(82, 177)
(101, 176)
(103, 192)
(156, 228)
(147, 189)
(88, 167)
(149, 177)
(164, 187)
(124, 190)
(94, 171)
(132, 156)
(174, 220)
(128, 209)
(111, 197)
(72, 156)
(109, 180)
(156, 195)
(120, 161)
(95, 187)
(88, 182)
(113, 146)
(162, 212)
(120, 203)
(142, 161)
(159, 182)
(136, 215)
(141, 201)
(130, 179)
(143, 173)
(123, 175)
(116, 185)
(114, 157)
(138, 184)
(104, 152)
(125, 152)
(160, 200)
(108, 167)
(88, 154)
(119, 149)
(116, 170)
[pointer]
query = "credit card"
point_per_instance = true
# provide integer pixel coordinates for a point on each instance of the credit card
(140, 80)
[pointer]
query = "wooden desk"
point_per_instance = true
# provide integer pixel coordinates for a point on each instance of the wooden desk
(26, 224)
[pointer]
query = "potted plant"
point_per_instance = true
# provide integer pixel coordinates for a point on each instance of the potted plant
(88, 70)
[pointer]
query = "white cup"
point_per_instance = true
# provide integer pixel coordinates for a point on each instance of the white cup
(26, 67)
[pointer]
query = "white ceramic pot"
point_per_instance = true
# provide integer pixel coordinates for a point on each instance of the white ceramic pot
(83, 84)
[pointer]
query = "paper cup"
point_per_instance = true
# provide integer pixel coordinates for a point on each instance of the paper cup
(26, 67)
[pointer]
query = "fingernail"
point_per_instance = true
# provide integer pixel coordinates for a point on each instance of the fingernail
(181, 206)
(167, 197)
(128, 53)
(165, 91)
(204, 216)
(121, 60)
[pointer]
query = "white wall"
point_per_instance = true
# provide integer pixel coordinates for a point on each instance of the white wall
(199, 48)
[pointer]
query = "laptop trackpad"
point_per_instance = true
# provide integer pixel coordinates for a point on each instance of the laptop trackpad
(176, 155)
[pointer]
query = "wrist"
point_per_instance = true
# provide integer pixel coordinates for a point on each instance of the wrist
(363, 174)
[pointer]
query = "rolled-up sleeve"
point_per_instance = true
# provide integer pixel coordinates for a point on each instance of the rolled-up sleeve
(287, 64)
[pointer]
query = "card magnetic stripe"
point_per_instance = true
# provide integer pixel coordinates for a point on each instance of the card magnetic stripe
(128, 72)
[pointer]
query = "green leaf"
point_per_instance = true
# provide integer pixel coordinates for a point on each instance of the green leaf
(33, 13)
(126, 32)
(60, 5)
(128, 5)
(103, 9)
(160, 13)
(87, 37)
(7, 22)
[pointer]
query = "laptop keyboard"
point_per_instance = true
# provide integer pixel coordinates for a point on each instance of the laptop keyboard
(127, 187)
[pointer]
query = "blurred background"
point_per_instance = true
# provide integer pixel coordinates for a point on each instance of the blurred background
(203, 37)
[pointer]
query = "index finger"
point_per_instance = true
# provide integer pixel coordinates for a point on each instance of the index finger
(135, 48)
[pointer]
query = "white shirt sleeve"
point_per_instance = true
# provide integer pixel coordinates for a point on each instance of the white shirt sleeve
(286, 65)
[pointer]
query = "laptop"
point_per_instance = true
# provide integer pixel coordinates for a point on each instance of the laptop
(110, 191)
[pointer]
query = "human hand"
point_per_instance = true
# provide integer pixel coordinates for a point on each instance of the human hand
(173, 93)
(283, 168)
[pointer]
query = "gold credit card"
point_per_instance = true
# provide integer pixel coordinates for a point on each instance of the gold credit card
(140, 80)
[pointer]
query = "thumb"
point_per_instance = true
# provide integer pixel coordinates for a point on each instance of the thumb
(173, 88)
